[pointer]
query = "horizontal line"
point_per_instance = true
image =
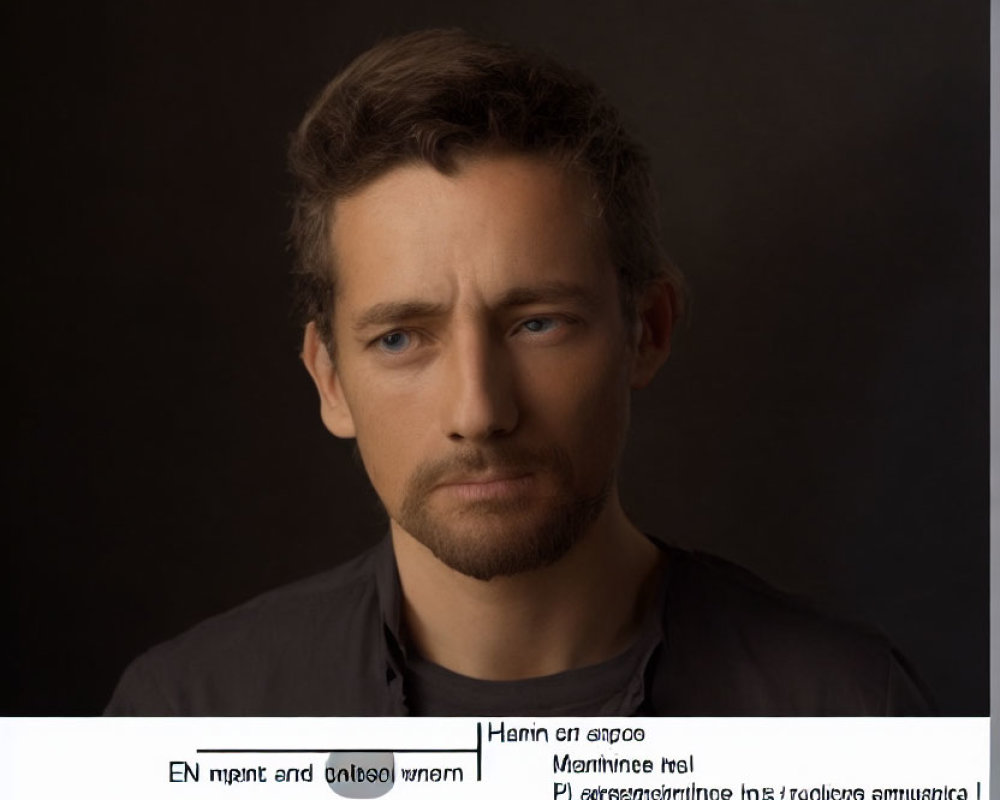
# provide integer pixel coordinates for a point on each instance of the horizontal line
(341, 750)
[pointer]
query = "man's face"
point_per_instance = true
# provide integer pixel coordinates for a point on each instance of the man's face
(482, 360)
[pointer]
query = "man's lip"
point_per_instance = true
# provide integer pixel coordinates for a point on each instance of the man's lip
(486, 486)
(483, 478)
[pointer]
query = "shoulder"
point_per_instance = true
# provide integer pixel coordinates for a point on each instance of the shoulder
(289, 651)
(742, 647)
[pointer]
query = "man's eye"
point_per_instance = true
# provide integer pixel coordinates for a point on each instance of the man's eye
(539, 324)
(395, 342)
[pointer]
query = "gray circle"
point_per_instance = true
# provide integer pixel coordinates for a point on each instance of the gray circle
(360, 774)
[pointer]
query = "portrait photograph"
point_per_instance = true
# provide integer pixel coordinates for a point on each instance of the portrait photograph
(499, 358)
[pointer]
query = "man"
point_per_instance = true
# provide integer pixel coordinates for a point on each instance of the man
(484, 287)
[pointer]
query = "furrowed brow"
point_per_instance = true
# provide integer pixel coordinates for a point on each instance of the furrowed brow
(396, 312)
(551, 292)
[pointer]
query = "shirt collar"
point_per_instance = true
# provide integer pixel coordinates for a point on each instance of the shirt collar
(390, 601)
(390, 598)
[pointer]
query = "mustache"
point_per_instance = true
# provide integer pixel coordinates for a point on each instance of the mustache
(503, 458)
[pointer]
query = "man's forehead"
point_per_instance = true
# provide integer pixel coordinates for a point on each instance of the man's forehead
(498, 224)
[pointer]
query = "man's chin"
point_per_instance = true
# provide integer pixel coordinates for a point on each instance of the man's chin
(497, 558)
(487, 542)
(491, 535)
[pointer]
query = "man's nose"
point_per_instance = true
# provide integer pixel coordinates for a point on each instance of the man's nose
(480, 398)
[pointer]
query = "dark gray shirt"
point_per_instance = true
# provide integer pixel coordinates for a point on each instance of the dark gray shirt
(720, 642)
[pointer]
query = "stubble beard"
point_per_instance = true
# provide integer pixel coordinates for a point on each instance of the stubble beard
(490, 538)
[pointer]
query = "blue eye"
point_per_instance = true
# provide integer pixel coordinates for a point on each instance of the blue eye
(539, 325)
(395, 342)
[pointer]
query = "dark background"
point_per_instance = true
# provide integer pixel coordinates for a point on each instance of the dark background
(823, 421)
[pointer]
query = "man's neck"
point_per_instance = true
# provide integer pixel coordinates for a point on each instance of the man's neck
(583, 609)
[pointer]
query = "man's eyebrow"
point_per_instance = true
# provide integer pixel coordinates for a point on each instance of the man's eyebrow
(395, 312)
(549, 292)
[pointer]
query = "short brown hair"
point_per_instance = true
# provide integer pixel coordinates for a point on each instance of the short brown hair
(434, 95)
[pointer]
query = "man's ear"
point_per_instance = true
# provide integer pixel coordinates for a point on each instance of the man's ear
(333, 408)
(653, 327)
